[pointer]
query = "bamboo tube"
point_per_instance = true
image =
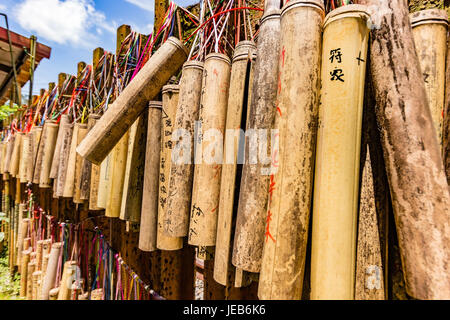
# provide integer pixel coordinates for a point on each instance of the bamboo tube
(9, 151)
(82, 131)
(290, 191)
(39, 245)
(149, 212)
(414, 166)
(30, 270)
(35, 140)
(206, 184)
(134, 173)
(252, 206)
(333, 258)
(69, 183)
(24, 158)
(39, 155)
(66, 280)
(97, 294)
(35, 278)
(130, 103)
(15, 156)
(64, 162)
(48, 153)
(50, 273)
(104, 183)
(182, 172)
(446, 124)
(53, 294)
(24, 276)
(170, 96)
(63, 123)
(22, 235)
(240, 67)
(117, 174)
(430, 38)
(89, 180)
(2, 156)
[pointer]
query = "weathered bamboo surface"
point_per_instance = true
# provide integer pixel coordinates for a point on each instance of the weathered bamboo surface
(149, 212)
(252, 206)
(182, 171)
(130, 103)
(89, 181)
(48, 152)
(417, 180)
(207, 172)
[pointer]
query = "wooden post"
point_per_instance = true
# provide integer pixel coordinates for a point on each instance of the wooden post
(414, 165)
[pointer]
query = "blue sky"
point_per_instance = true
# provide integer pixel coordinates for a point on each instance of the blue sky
(74, 28)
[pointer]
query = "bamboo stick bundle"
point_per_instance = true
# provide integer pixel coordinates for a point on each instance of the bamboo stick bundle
(64, 159)
(89, 181)
(206, 184)
(34, 140)
(430, 38)
(237, 100)
(252, 206)
(170, 96)
(24, 276)
(290, 192)
(48, 153)
(414, 166)
(182, 172)
(15, 156)
(9, 151)
(134, 173)
(333, 258)
(24, 158)
(50, 274)
(66, 280)
(133, 99)
(82, 131)
(149, 211)
(30, 270)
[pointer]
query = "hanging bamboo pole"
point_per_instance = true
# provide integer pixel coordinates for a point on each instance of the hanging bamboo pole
(237, 100)
(104, 184)
(35, 278)
(333, 257)
(89, 181)
(36, 133)
(149, 212)
(66, 280)
(64, 159)
(64, 122)
(50, 274)
(290, 191)
(134, 173)
(206, 184)
(130, 103)
(15, 156)
(2, 156)
(430, 38)
(69, 183)
(82, 131)
(416, 175)
(252, 206)
(25, 158)
(30, 270)
(9, 151)
(446, 124)
(48, 152)
(182, 173)
(170, 96)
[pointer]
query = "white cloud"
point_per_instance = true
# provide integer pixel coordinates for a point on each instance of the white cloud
(143, 4)
(69, 21)
(2, 7)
